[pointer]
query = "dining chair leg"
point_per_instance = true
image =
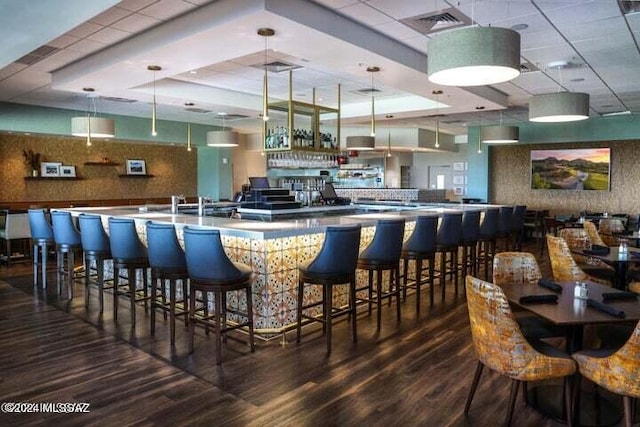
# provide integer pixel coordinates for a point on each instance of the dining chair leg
(395, 275)
(154, 301)
(378, 298)
(513, 395)
(432, 262)
(405, 271)
(568, 398)
(626, 402)
(474, 385)
(218, 317)
(252, 344)
(116, 280)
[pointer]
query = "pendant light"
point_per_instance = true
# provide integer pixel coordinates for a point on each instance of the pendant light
(266, 33)
(92, 126)
(373, 70)
(222, 138)
(500, 134)
(154, 130)
(474, 56)
(561, 106)
(480, 135)
(437, 93)
(389, 116)
(188, 105)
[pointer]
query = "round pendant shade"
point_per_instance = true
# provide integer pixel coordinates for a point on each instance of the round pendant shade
(474, 56)
(101, 127)
(500, 134)
(222, 138)
(361, 143)
(559, 107)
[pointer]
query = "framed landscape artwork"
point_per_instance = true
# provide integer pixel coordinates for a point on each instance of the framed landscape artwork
(136, 167)
(571, 169)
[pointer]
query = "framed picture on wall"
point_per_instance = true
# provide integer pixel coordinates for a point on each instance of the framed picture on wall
(459, 166)
(50, 169)
(136, 167)
(68, 171)
(571, 169)
(458, 191)
(459, 180)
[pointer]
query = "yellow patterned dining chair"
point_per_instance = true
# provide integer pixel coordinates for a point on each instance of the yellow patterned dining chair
(592, 231)
(521, 268)
(615, 370)
(501, 347)
(563, 266)
(578, 238)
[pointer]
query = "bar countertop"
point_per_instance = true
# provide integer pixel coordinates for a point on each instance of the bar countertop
(367, 215)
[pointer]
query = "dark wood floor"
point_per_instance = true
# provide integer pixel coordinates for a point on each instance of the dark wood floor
(414, 373)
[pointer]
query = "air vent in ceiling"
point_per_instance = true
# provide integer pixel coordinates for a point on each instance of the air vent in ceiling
(527, 67)
(367, 91)
(37, 55)
(118, 99)
(429, 23)
(232, 116)
(629, 7)
(452, 122)
(277, 66)
(197, 110)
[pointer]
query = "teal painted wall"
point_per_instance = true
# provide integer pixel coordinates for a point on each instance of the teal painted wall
(215, 178)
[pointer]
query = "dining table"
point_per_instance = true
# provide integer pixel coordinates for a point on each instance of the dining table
(574, 313)
(620, 261)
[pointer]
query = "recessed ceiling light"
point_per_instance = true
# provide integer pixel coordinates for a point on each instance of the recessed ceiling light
(577, 80)
(222, 114)
(193, 72)
(519, 27)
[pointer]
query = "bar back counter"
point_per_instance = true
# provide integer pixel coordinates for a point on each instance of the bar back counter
(274, 247)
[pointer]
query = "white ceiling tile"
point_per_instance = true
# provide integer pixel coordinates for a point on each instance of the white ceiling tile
(165, 9)
(109, 36)
(11, 69)
(397, 30)
(63, 41)
(407, 8)
(135, 23)
(84, 30)
(365, 14)
(57, 60)
(634, 21)
(135, 5)
(86, 46)
(582, 12)
(110, 16)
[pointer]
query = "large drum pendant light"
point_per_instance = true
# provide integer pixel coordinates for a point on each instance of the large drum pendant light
(474, 56)
(500, 134)
(361, 143)
(559, 107)
(92, 126)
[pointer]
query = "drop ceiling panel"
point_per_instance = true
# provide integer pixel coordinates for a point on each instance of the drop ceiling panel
(406, 9)
(63, 41)
(135, 23)
(419, 43)
(365, 14)
(499, 13)
(582, 12)
(135, 5)
(57, 60)
(110, 16)
(109, 35)
(85, 30)
(337, 4)
(86, 46)
(11, 69)
(165, 9)
(396, 30)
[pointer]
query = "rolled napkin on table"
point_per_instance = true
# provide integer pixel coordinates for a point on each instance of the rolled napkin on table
(550, 284)
(597, 250)
(611, 296)
(605, 308)
(635, 254)
(541, 299)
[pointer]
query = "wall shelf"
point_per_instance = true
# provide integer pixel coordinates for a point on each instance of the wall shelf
(52, 178)
(101, 164)
(136, 176)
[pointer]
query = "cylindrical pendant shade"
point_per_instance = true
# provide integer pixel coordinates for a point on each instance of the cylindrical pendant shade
(559, 107)
(101, 127)
(361, 143)
(500, 134)
(222, 138)
(474, 56)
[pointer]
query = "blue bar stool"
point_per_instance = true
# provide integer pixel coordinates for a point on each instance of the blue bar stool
(42, 238)
(505, 219)
(67, 238)
(421, 246)
(469, 243)
(335, 264)
(211, 271)
(128, 253)
(168, 263)
(447, 241)
(383, 253)
(487, 239)
(517, 226)
(97, 249)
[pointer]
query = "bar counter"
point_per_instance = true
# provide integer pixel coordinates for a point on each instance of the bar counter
(275, 249)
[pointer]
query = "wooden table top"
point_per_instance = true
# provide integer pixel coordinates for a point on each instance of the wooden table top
(613, 255)
(570, 310)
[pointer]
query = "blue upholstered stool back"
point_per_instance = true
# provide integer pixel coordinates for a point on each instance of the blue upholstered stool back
(164, 249)
(339, 252)
(517, 219)
(206, 258)
(423, 238)
(124, 241)
(470, 226)
(386, 245)
(94, 238)
(64, 230)
(505, 218)
(489, 225)
(40, 227)
(450, 230)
